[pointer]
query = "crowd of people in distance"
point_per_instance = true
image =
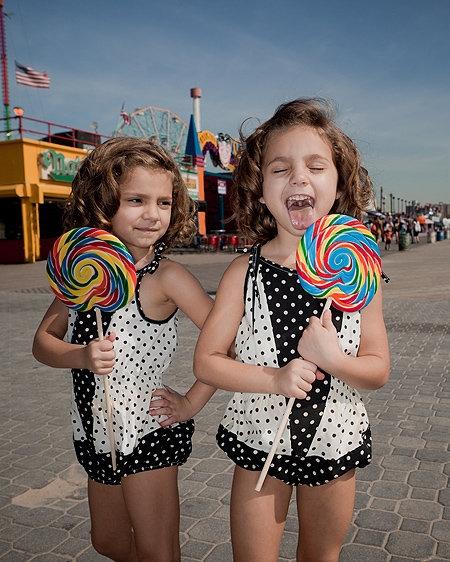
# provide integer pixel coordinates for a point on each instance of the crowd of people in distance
(388, 227)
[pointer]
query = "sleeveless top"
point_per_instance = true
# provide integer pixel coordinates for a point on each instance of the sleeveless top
(144, 349)
(328, 432)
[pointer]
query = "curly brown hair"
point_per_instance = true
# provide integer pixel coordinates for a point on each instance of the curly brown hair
(95, 196)
(354, 184)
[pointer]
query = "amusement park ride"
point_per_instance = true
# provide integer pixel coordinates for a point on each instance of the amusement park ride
(161, 125)
(169, 130)
(187, 143)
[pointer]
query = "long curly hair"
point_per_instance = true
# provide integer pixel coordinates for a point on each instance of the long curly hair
(95, 196)
(354, 184)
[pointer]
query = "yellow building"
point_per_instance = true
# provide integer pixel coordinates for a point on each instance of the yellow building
(35, 179)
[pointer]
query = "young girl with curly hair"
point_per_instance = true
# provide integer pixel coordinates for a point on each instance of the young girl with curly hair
(132, 188)
(295, 168)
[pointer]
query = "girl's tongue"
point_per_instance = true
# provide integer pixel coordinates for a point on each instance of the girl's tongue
(301, 211)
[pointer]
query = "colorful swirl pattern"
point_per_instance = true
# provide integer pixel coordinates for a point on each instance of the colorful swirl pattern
(89, 267)
(339, 258)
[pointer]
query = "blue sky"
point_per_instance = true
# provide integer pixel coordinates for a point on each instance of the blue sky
(385, 64)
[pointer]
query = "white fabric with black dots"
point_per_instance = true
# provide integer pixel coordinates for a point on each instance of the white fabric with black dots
(143, 353)
(328, 432)
(344, 418)
(255, 417)
(144, 349)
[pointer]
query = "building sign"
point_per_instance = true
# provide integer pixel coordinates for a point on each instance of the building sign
(221, 187)
(191, 181)
(55, 166)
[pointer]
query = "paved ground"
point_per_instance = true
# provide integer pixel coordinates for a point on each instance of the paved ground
(403, 501)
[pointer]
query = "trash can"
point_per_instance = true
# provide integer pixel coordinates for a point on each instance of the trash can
(404, 240)
(431, 236)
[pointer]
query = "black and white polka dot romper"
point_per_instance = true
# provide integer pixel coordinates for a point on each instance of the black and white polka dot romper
(328, 432)
(144, 349)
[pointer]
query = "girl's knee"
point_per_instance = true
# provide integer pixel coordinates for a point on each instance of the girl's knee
(111, 547)
(158, 548)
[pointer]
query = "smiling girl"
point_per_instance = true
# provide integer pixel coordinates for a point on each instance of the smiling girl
(132, 188)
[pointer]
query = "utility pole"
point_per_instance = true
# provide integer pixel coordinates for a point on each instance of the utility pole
(381, 198)
(390, 198)
(4, 65)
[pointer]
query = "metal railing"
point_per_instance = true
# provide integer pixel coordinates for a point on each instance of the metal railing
(29, 127)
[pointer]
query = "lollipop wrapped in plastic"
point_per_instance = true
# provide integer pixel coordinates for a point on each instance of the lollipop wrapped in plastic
(337, 259)
(90, 268)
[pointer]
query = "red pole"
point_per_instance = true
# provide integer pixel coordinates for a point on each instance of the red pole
(4, 64)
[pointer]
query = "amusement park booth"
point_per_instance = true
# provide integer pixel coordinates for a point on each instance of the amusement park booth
(39, 160)
(36, 176)
(35, 179)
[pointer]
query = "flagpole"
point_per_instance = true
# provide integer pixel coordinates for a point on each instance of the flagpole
(4, 64)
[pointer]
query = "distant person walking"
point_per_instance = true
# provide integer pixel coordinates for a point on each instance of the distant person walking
(388, 234)
(376, 229)
(417, 229)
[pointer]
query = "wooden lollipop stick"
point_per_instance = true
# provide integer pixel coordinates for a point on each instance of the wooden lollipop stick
(109, 413)
(282, 426)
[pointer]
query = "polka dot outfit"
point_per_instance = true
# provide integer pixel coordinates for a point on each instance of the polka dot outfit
(328, 432)
(144, 349)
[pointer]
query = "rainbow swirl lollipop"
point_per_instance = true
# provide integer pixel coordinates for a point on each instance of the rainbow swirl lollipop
(88, 268)
(338, 258)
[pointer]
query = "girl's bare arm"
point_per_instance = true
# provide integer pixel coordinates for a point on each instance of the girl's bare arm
(49, 346)
(185, 291)
(212, 364)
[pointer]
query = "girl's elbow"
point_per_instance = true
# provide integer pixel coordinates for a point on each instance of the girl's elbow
(35, 349)
(38, 349)
(382, 378)
(198, 367)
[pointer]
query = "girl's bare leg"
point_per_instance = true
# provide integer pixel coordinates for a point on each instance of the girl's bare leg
(153, 503)
(324, 513)
(257, 518)
(111, 532)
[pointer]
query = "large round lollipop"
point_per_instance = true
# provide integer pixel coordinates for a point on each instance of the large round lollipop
(90, 268)
(337, 259)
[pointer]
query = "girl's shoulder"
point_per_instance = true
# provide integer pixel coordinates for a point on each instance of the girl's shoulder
(239, 265)
(235, 274)
(172, 276)
(168, 271)
(168, 266)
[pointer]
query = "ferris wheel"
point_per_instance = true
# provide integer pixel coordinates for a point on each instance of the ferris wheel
(161, 125)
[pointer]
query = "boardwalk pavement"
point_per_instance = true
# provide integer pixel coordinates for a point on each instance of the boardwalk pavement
(403, 500)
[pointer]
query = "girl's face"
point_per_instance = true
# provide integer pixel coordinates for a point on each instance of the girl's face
(145, 209)
(299, 179)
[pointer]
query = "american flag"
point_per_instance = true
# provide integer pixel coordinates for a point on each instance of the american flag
(27, 76)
